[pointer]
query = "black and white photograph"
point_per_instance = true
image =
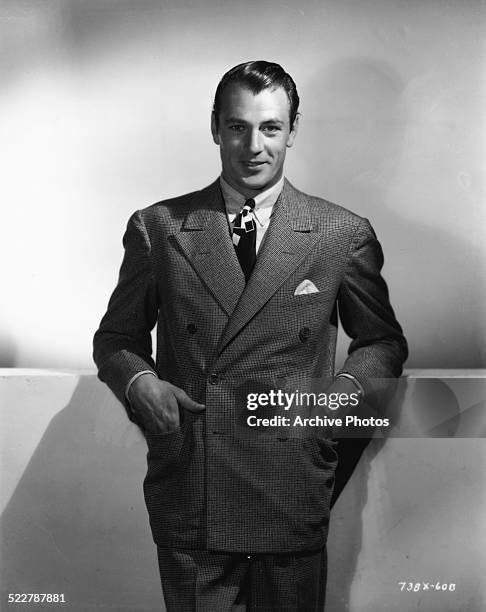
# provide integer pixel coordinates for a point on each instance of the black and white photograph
(242, 324)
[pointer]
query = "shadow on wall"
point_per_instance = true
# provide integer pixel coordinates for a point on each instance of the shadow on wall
(348, 503)
(346, 533)
(76, 523)
(355, 117)
(8, 350)
(40, 33)
(382, 494)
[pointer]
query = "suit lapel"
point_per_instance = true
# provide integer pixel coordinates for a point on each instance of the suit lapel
(289, 239)
(205, 240)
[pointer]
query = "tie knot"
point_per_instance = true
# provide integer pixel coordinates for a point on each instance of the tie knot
(250, 203)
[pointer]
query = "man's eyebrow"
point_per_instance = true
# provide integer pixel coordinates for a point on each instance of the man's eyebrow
(234, 120)
(229, 120)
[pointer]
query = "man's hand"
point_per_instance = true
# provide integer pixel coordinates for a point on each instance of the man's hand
(157, 404)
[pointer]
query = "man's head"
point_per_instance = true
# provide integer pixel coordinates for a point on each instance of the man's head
(254, 120)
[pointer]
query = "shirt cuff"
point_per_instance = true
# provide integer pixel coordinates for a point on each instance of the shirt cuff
(355, 381)
(134, 378)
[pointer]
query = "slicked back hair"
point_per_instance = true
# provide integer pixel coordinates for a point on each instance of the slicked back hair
(257, 76)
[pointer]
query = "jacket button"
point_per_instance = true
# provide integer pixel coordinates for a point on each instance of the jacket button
(191, 328)
(304, 334)
(213, 379)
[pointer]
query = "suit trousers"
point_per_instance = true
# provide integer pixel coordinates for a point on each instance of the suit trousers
(205, 581)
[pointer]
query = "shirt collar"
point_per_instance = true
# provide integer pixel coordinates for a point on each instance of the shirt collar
(234, 200)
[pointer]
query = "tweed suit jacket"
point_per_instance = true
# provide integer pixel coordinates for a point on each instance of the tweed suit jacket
(207, 485)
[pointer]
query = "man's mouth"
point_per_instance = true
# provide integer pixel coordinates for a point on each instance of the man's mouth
(253, 164)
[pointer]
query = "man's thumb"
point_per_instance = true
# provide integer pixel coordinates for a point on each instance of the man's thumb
(187, 403)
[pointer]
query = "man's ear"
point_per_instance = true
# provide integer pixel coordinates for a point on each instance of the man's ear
(293, 131)
(214, 129)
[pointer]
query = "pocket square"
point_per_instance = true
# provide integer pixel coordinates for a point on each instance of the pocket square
(305, 287)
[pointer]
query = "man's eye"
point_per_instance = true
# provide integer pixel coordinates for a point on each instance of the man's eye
(271, 129)
(237, 128)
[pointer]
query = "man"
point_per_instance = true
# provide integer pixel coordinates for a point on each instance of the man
(243, 280)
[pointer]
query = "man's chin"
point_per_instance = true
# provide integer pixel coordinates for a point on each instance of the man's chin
(256, 183)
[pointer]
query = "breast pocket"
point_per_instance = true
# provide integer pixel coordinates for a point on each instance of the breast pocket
(307, 315)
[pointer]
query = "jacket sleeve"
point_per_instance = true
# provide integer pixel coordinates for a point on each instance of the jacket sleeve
(378, 348)
(123, 344)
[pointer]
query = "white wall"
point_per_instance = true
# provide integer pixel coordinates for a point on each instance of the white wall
(74, 522)
(104, 108)
(73, 517)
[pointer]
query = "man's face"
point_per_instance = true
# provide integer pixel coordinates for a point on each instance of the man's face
(253, 135)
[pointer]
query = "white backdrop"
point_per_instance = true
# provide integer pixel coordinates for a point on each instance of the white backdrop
(104, 108)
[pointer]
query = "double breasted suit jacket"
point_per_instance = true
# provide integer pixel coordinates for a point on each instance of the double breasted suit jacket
(208, 485)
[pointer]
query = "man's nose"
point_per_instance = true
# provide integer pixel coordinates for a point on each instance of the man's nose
(255, 142)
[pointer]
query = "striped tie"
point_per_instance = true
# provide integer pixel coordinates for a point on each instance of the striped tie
(244, 237)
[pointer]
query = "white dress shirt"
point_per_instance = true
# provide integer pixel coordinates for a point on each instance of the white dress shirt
(264, 203)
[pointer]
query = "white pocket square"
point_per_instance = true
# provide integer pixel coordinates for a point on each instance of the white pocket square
(305, 287)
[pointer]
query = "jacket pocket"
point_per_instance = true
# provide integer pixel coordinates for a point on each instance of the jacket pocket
(322, 451)
(174, 481)
(164, 450)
